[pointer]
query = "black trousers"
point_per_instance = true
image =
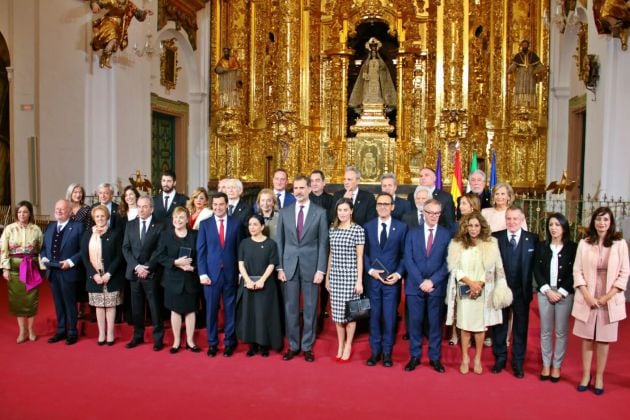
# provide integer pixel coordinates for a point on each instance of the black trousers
(141, 289)
(520, 323)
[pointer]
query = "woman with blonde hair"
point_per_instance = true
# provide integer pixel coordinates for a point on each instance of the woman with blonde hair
(197, 207)
(80, 212)
(267, 203)
(502, 199)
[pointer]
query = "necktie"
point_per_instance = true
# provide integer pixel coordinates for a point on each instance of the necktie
(430, 242)
(166, 202)
(513, 242)
(300, 223)
(143, 231)
(221, 233)
(58, 228)
(420, 218)
(231, 209)
(279, 201)
(383, 239)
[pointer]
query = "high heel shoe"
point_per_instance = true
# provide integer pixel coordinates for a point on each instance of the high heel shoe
(598, 391)
(110, 343)
(583, 388)
(478, 369)
(463, 368)
(193, 348)
(100, 343)
(21, 337)
(453, 341)
(174, 350)
(32, 336)
(342, 360)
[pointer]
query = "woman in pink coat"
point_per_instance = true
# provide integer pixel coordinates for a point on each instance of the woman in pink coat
(600, 275)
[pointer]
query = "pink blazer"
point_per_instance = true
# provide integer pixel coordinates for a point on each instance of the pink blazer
(585, 274)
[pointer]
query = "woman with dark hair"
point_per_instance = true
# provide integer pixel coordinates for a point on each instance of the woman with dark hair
(258, 309)
(476, 270)
(177, 253)
(128, 209)
(600, 275)
(19, 253)
(101, 251)
(75, 194)
(345, 273)
(553, 276)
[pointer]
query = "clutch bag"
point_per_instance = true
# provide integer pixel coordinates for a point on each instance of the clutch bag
(464, 291)
(358, 309)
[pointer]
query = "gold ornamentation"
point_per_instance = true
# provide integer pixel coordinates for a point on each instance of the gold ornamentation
(183, 13)
(168, 64)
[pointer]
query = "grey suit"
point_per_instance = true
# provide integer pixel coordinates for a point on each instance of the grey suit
(301, 260)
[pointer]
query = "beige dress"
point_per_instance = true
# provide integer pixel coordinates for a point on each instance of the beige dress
(470, 312)
(598, 326)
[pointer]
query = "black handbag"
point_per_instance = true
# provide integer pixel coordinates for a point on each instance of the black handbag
(358, 309)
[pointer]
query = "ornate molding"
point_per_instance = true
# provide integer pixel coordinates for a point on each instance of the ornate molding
(183, 13)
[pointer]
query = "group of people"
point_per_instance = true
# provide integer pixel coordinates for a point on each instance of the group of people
(470, 264)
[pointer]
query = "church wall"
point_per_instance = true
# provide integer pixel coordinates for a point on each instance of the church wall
(93, 124)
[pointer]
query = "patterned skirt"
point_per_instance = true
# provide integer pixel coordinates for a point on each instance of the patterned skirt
(105, 299)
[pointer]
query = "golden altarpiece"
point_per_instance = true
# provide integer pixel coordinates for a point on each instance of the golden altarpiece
(450, 64)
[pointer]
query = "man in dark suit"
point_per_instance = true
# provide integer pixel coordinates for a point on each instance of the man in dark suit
(427, 179)
(415, 217)
(165, 202)
(425, 287)
(238, 208)
(60, 256)
(302, 237)
(141, 240)
(384, 245)
(389, 185)
(105, 194)
(217, 251)
(517, 252)
(280, 180)
(477, 183)
(364, 203)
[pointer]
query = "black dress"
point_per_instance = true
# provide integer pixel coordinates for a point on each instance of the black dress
(258, 311)
(181, 288)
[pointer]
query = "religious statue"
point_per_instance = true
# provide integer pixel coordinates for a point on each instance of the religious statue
(229, 71)
(374, 84)
(528, 68)
(613, 17)
(109, 32)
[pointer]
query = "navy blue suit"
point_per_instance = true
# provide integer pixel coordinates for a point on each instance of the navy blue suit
(421, 266)
(221, 266)
(401, 206)
(383, 297)
(64, 282)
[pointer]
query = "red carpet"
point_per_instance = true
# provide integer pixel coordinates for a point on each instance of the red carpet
(41, 380)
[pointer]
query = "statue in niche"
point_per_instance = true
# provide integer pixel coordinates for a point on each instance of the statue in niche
(613, 17)
(527, 68)
(374, 84)
(109, 32)
(229, 70)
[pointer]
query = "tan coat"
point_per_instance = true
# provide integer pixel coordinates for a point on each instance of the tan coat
(585, 274)
(493, 267)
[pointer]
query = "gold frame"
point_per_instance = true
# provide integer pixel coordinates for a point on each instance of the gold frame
(582, 52)
(168, 64)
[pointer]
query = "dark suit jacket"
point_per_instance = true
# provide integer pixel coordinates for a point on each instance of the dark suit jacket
(447, 218)
(211, 257)
(174, 279)
(411, 218)
(392, 255)
(70, 249)
(242, 212)
(542, 263)
(401, 206)
(137, 252)
(420, 266)
(527, 244)
(160, 213)
(364, 206)
(113, 262)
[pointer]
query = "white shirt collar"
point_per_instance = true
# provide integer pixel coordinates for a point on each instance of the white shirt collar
(517, 235)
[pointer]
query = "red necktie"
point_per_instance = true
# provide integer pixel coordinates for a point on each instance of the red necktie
(430, 242)
(221, 233)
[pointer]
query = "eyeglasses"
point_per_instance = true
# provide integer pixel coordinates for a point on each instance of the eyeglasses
(383, 204)
(432, 213)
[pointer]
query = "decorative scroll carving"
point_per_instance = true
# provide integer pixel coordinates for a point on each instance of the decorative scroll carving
(183, 13)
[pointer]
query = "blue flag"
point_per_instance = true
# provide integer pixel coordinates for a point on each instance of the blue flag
(493, 169)
(438, 171)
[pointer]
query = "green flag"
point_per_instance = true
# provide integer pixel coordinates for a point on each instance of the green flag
(473, 168)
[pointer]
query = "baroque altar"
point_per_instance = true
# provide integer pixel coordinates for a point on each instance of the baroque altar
(454, 67)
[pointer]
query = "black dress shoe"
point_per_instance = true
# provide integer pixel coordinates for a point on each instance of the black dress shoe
(290, 354)
(158, 346)
(72, 339)
(101, 343)
(212, 351)
(229, 351)
(437, 366)
(110, 343)
(264, 351)
(174, 350)
(309, 356)
(518, 372)
(413, 363)
(253, 349)
(193, 348)
(498, 367)
(373, 360)
(56, 338)
(387, 360)
(133, 343)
